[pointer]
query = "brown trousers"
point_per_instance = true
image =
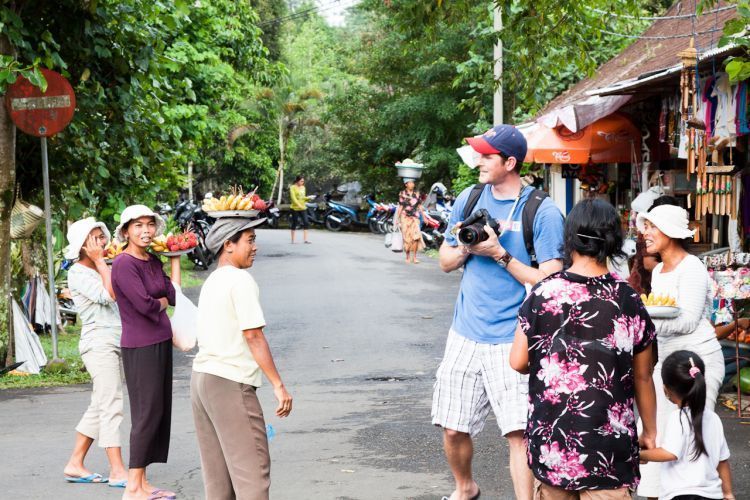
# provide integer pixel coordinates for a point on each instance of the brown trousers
(547, 492)
(232, 438)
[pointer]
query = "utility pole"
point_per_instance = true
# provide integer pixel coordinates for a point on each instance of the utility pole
(497, 102)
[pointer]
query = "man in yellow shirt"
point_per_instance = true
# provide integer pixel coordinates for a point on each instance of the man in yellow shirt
(299, 207)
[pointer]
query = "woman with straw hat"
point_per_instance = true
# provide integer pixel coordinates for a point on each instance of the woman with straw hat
(90, 284)
(683, 277)
(143, 294)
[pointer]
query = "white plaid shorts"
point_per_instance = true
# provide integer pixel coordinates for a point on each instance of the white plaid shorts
(474, 378)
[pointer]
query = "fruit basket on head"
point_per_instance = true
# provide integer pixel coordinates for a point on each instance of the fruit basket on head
(235, 204)
(409, 169)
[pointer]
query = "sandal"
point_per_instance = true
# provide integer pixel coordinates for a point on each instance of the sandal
(91, 478)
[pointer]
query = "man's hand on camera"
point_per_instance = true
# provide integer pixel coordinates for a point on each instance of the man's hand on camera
(491, 247)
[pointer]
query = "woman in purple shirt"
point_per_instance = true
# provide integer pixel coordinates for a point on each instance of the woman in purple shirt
(143, 294)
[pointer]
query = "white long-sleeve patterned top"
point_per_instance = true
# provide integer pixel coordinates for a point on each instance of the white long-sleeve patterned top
(690, 285)
(97, 310)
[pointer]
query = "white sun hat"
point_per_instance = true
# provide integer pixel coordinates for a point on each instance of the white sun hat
(669, 219)
(78, 232)
(136, 212)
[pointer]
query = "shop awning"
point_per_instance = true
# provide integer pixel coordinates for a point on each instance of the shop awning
(581, 114)
(608, 140)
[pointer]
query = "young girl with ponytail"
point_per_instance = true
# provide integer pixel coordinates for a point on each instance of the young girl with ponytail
(693, 447)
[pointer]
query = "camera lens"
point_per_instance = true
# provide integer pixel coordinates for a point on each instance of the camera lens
(471, 235)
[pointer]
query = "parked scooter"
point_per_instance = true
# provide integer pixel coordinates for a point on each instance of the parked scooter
(190, 216)
(342, 216)
(269, 211)
(431, 232)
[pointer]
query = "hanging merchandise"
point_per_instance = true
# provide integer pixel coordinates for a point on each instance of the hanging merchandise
(43, 309)
(24, 218)
(743, 109)
(725, 124)
(28, 348)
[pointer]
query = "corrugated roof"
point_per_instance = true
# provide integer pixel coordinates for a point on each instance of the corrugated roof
(646, 56)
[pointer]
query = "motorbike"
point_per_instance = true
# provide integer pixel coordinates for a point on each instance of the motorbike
(271, 213)
(432, 234)
(191, 217)
(341, 216)
(314, 213)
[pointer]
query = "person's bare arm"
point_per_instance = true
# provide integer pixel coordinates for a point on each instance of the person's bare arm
(657, 455)
(492, 248)
(519, 352)
(725, 331)
(452, 258)
(645, 395)
(95, 252)
(258, 345)
(527, 274)
(725, 473)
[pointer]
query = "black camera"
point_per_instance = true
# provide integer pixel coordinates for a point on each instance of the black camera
(472, 230)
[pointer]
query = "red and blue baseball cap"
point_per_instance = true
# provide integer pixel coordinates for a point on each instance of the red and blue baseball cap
(505, 140)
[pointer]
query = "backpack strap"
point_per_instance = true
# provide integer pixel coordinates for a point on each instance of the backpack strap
(530, 209)
(471, 202)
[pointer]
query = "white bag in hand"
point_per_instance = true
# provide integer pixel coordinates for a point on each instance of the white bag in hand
(388, 240)
(397, 242)
(184, 321)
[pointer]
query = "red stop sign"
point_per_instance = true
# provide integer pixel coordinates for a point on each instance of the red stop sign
(38, 113)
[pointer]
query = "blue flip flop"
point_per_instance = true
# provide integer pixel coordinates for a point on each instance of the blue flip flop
(119, 484)
(91, 478)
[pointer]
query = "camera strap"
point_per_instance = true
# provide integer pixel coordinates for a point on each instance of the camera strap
(509, 220)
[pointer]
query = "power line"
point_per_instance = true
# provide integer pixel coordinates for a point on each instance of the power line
(300, 14)
(655, 37)
(661, 18)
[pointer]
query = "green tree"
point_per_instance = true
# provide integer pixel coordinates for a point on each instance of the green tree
(158, 83)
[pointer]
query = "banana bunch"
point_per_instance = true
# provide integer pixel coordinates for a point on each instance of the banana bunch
(113, 249)
(235, 201)
(658, 300)
(159, 244)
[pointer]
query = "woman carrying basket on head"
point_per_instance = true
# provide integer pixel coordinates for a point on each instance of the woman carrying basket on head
(407, 216)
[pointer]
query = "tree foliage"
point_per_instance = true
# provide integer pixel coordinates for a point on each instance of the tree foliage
(158, 84)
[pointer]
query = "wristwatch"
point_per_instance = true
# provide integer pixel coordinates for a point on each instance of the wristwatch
(504, 259)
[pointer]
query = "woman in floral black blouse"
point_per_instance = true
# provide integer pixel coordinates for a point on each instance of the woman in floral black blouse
(583, 337)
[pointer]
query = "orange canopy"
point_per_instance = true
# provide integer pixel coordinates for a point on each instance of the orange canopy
(608, 140)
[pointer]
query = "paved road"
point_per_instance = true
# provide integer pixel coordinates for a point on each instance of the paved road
(357, 335)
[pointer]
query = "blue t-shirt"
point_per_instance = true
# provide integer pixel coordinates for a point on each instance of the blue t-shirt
(489, 297)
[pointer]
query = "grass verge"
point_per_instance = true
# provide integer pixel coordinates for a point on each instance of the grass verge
(73, 372)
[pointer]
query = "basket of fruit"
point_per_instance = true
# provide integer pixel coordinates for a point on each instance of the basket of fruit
(237, 204)
(174, 245)
(112, 250)
(660, 306)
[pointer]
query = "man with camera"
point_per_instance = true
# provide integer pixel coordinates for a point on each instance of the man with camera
(486, 236)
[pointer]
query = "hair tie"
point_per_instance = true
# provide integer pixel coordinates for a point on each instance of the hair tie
(590, 236)
(694, 370)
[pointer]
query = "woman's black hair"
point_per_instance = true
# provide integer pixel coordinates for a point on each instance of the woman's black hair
(690, 388)
(664, 199)
(593, 228)
(667, 199)
(234, 239)
(298, 178)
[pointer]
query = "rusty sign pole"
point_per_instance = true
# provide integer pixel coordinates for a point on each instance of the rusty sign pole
(44, 114)
(50, 249)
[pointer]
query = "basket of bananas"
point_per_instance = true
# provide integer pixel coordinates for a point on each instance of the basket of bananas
(236, 204)
(174, 245)
(660, 306)
(112, 250)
